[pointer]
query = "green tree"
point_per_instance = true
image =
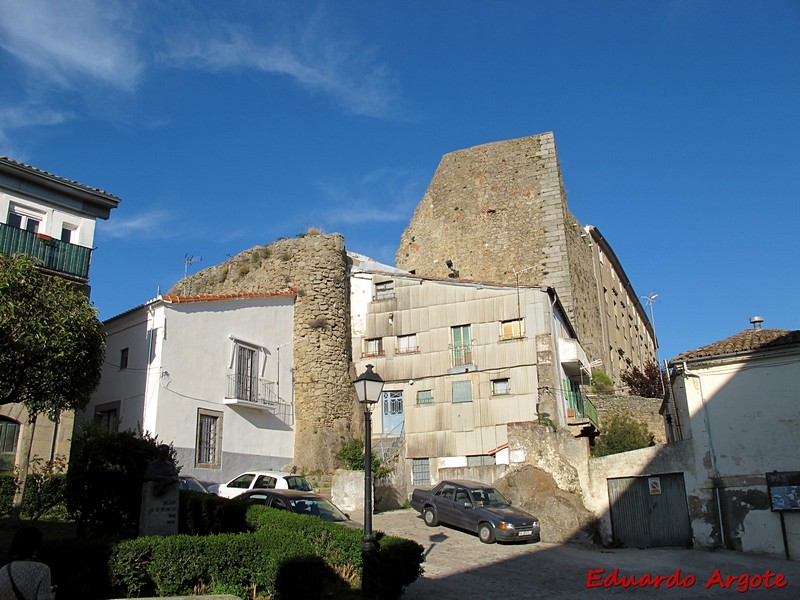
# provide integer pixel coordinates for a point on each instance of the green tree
(649, 382)
(620, 433)
(51, 348)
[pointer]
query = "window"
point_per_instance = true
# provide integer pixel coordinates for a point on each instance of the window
(123, 359)
(246, 373)
(373, 347)
(106, 416)
(25, 219)
(384, 290)
(265, 482)
(420, 471)
(448, 491)
(462, 391)
(501, 387)
(66, 234)
(209, 439)
(425, 397)
(511, 329)
(392, 403)
(242, 482)
(152, 342)
(462, 345)
(9, 434)
(407, 343)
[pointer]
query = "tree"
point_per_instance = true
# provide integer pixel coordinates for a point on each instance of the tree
(621, 433)
(650, 382)
(51, 348)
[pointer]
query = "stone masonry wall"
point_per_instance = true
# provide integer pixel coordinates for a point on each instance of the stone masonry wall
(499, 212)
(641, 409)
(325, 404)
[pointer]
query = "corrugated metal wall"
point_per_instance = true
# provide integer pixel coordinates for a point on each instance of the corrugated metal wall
(650, 511)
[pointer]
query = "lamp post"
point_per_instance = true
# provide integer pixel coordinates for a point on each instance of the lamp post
(369, 386)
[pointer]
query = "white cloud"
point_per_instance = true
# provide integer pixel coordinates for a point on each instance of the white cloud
(150, 225)
(383, 196)
(69, 42)
(15, 117)
(309, 52)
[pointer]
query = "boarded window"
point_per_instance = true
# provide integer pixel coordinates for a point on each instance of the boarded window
(511, 329)
(384, 290)
(462, 391)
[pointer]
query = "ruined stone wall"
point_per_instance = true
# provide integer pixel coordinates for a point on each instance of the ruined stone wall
(641, 409)
(499, 213)
(325, 404)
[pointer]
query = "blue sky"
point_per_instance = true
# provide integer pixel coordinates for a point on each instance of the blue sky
(227, 125)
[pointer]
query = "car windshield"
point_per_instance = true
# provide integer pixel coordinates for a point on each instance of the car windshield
(318, 507)
(298, 483)
(489, 497)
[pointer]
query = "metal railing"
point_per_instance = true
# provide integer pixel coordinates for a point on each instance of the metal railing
(461, 354)
(583, 407)
(252, 389)
(390, 442)
(55, 255)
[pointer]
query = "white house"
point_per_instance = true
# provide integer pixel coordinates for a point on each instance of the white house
(53, 219)
(210, 374)
(737, 401)
(461, 361)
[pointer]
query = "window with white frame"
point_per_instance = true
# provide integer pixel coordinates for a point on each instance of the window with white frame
(25, 218)
(462, 391)
(511, 329)
(384, 290)
(425, 397)
(501, 387)
(407, 343)
(373, 347)
(209, 439)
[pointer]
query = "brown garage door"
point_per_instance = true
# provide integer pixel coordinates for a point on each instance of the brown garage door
(650, 511)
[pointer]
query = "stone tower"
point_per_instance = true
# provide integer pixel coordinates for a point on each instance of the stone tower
(499, 213)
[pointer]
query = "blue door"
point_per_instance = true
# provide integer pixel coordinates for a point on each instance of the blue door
(392, 413)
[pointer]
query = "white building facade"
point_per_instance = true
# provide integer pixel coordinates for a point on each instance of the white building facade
(210, 374)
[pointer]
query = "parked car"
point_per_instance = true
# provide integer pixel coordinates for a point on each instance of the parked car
(268, 480)
(476, 507)
(187, 482)
(303, 503)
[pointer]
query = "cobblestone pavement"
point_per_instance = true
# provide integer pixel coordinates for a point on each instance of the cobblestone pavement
(457, 561)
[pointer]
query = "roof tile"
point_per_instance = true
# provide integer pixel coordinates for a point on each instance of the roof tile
(748, 340)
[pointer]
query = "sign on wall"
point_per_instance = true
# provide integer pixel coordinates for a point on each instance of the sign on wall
(784, 490)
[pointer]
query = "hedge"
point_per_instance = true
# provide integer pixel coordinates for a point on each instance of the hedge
(48, 501)
(287, 556)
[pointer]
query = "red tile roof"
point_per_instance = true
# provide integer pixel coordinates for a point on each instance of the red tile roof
(749, 340)
(215, 297)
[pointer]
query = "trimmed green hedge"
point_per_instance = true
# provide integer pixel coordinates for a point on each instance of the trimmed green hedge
(288, 556)
(205, 514)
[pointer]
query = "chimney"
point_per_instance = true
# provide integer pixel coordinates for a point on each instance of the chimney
(756, 322)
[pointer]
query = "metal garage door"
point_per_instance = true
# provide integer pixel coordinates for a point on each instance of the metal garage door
(650, 511)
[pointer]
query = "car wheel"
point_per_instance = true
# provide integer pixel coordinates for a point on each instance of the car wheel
(486, 533)
(429, 514)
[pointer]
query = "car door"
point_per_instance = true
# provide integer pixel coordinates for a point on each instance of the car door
(444, 501)
(464, 514)
(236, 486)
(264, 482)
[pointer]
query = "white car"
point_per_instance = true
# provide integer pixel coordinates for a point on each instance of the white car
(261, 480)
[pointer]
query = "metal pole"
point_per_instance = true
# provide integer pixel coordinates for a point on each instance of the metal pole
(368, 543)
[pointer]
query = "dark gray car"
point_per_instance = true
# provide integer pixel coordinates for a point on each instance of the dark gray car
(476, 507)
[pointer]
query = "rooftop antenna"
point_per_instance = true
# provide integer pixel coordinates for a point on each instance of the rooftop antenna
(649, 300)
(188, 260)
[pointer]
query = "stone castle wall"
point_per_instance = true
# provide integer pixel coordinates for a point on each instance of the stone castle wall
(325, 404)
(636, 407)
(499, 213)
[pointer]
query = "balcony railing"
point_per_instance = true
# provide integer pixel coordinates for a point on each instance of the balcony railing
(63, 257)
(461, 354)
(252, 389)
(582, 407)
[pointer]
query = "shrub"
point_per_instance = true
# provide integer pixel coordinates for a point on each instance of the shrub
(351, 454)
(601, 383)
(104, 481)
(43, 497)
(621, 433)
(650, 382)
(203, 514)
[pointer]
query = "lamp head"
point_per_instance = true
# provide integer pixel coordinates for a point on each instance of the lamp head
(369, 386)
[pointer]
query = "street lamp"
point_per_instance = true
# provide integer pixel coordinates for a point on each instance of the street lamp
(369, 386)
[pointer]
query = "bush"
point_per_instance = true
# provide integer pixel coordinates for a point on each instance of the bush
(104, 481)
(43, 497)
(351, 454)
(288, 556)
(601, 383)
(204, 514)
(650, 382)
(621, 433)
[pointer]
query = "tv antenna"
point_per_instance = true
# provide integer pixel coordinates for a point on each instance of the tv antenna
(188, 260)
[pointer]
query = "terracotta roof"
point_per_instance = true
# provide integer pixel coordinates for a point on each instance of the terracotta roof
(749, 340)
(215, 297)
(36, 171)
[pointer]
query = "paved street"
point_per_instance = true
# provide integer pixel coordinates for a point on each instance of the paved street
(457, 562)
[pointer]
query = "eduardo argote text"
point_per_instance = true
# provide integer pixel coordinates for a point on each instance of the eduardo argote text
(600, 578)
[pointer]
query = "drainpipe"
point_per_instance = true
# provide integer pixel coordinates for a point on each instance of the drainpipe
(715, 472)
